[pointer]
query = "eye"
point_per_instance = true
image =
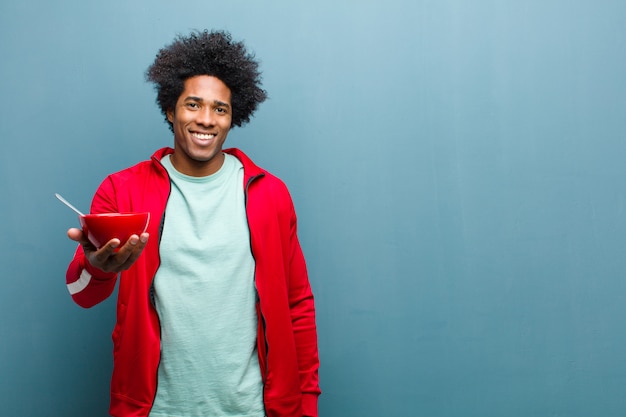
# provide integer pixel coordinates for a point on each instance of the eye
(221, 110)
(192, 105)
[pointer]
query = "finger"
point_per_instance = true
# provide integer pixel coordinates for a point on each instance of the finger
(103, 255)
(109, 259)
(76, 235)
(129, 253)
(131, 249)
(135, 243)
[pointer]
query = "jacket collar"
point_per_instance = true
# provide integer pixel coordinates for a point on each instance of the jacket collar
(250, 168)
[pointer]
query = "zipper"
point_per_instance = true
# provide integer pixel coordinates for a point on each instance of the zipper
(160, 233)
(263, 354)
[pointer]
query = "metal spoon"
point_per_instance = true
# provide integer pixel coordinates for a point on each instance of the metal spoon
(67, 203)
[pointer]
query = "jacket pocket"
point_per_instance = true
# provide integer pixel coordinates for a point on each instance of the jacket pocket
(119, 326)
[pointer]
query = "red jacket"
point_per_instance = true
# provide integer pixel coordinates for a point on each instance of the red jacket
(287, 337)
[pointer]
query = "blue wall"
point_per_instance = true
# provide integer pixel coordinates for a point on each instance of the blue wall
(458, 169)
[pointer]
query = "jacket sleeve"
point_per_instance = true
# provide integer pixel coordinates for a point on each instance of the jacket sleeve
(303, 319)
(86, 284)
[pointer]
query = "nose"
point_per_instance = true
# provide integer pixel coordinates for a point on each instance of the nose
(205, 117)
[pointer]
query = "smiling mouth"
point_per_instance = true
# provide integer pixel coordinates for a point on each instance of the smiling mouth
(203, 136)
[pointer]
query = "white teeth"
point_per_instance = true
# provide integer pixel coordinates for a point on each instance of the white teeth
(203, 135)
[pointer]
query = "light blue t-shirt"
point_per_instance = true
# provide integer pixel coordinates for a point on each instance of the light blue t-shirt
(205, 297)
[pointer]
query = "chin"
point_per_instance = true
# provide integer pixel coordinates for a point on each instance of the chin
(203, 157)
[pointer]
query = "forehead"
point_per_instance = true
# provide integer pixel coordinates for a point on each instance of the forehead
(206, 88)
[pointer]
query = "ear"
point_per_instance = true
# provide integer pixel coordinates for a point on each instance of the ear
(170, 115)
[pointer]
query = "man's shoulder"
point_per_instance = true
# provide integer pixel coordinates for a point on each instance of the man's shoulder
(144, 183)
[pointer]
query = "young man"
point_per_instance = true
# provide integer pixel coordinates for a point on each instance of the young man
(215, 314)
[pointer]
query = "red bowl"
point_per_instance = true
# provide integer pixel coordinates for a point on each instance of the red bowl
(100, 228)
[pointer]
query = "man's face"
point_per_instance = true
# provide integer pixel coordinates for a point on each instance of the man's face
(201, 121)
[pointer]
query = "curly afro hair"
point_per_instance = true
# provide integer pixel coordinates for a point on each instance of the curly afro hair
(208, 53)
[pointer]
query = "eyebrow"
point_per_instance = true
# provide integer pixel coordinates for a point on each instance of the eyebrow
(218, 103)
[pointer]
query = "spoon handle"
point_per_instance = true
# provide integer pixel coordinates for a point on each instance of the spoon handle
(67, 203)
